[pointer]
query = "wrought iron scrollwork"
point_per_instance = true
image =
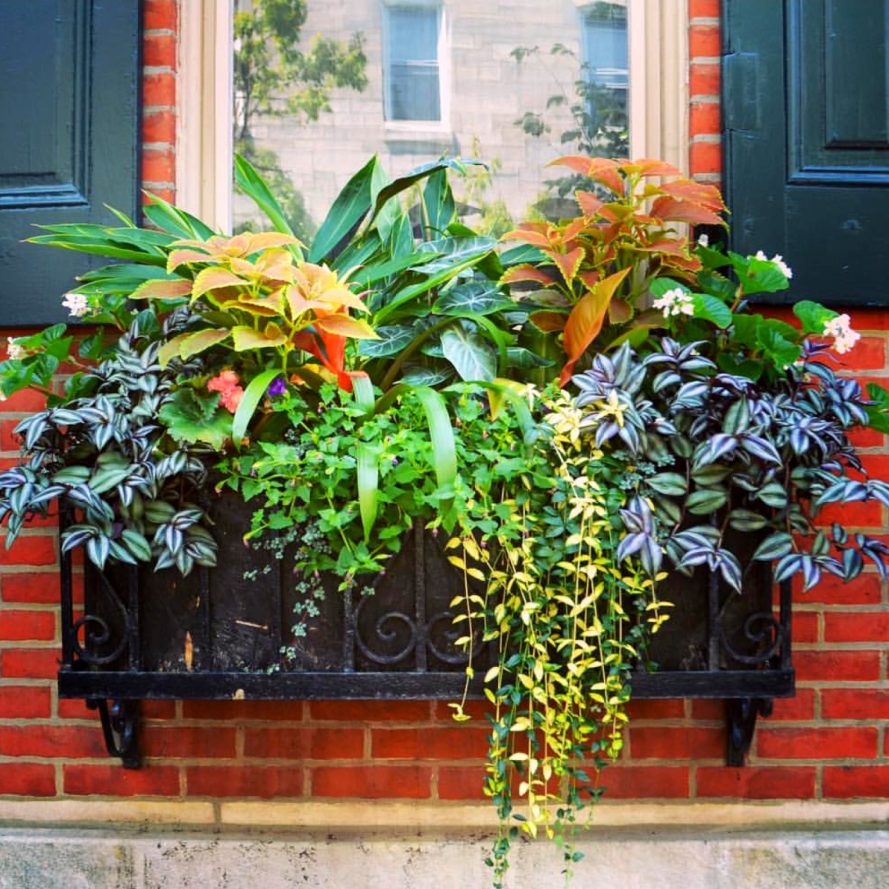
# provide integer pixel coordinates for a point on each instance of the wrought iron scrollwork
(765, 636)
(97, 632)
(120, 725)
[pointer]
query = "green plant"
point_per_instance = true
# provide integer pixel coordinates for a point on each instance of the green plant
(103, 454)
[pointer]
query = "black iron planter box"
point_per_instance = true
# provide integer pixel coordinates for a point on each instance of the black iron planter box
(219, 634)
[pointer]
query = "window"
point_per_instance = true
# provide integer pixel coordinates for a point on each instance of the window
(605, 56)
(411, 80)
(411, 63)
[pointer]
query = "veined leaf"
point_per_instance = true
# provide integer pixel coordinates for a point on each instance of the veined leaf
(470, 355)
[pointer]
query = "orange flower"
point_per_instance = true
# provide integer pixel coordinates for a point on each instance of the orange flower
(226, 384)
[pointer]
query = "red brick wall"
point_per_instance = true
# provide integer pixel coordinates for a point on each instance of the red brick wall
(830, 742)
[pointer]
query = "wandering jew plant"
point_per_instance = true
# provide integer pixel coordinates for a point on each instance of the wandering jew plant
(575, 414)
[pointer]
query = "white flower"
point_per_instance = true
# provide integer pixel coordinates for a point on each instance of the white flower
(14, 351)
(778, 261)
(844, 338)
(704, 241)
(76, 304)
(675, 302)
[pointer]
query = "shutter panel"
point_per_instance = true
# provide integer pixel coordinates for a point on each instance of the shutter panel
(70, 71)
(806, 117)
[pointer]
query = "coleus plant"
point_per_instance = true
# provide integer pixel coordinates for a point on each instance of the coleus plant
(593, 272)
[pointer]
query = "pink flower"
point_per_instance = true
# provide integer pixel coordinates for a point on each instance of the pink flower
(230, 393)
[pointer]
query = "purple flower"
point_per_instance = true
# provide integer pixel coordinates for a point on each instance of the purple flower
(276, 387)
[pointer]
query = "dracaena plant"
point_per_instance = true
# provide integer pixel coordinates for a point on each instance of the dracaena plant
(594, 272)
(717, 451)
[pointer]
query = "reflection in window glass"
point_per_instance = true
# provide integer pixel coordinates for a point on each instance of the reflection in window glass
(411, 74)
(321, 85)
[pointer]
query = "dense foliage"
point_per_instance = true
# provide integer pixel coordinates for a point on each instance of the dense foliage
(401, 370)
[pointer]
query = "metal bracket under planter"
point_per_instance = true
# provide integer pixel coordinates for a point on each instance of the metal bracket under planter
(146, 635)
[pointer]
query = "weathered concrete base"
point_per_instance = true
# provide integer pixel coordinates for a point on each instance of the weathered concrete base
(656, 858)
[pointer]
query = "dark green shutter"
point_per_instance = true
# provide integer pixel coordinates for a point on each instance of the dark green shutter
(69, 102)
(806, 116)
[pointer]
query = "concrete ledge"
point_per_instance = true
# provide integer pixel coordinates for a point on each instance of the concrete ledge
(68, 858)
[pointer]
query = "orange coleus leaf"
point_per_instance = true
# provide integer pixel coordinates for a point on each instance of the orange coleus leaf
(185, 257)
(665, 245)
(213, 279)
(548, 322)
(341, 324)
(162, 290)
(590, 278)
(586, 320)
(588, 202)
(526, 273)
(649, 167)
(599, 169)
(568, 263)
(276, 265)
(619, 311)
(266, 306)
(697, 192)
(534, 233)
(247, 338)
(668, 208)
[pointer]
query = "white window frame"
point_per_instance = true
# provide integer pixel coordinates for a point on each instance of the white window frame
(442, 53)
(658, 62)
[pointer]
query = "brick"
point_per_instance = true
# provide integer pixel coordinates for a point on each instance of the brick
(851, 782)
(157, 709)
(816, 743)
(160, 15)
(24, 702)
(159, 51)
(676, 743)
(27, 779)
(853, 515)
(158, 166)
(372, 782)
(463, 742)
(805, 626)
(705, 157)
(21, 625)
(855, 703)
(866, 589)
(304, 743)
(74, 708)
(29, 663)
(756, 782)
(707, 709)
(24, 401)
(159, 90)
(480, 710)
(461, 783)
(372, 711)
(705, 119)
(242, 710)
(166, 194)
(836, 666)
(221, 781)
(855, 626)
(645, 782)
(703, 9)
(37, 550)
(183, 742)
(866, 438)
(640, 709)
(703, 40)
(9, 441)
(799, 707)
(51, 740)
(112, 780)
(704, 79)
(869, 354)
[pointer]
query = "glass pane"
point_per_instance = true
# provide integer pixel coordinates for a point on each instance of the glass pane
(322, 85)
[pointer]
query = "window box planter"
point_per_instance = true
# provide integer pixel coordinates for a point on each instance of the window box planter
(215, 635)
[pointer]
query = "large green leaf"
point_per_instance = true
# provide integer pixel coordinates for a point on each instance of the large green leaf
(368, 468)
(196, 418)
(439, 206)
(475, 297)
(349, 209)
(393, 339)
(413, 176)
(471, 356)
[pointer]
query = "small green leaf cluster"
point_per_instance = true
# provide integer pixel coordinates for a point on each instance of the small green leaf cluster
(734, 454)
(106, 459)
